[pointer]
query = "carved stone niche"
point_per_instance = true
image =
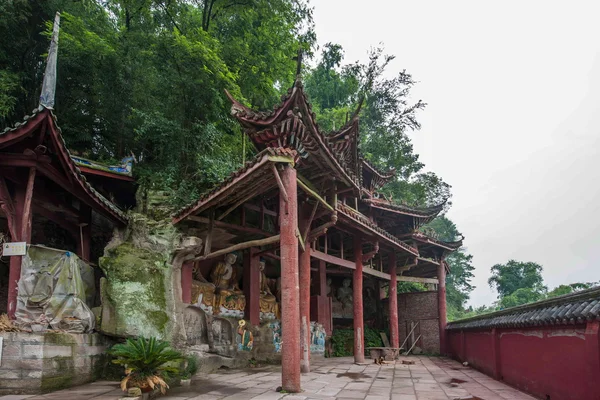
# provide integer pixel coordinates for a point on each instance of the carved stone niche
(221, 336)
(196, 329)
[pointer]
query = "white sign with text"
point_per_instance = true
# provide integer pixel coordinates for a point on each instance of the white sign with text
(14, 249)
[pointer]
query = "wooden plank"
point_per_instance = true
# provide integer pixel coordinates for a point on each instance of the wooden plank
(385, 340)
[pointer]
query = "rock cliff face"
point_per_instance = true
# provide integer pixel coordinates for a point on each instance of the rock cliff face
(138, 295)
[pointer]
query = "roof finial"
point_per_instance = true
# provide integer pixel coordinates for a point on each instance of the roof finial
(299, 62)
(49, 83)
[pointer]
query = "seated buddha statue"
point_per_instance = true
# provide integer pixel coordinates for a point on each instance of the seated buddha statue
(228, 294)
(268, 302)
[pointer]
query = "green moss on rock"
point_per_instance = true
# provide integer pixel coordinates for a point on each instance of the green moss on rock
(136, 293)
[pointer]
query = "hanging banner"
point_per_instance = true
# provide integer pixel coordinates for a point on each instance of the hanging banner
(14, 249)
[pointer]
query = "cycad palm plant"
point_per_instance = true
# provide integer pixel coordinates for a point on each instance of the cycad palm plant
(146, 363)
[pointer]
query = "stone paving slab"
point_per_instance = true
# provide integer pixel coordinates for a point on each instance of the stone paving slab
(430, 378)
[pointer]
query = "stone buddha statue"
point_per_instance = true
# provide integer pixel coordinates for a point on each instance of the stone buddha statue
(228, 295)
(268, 302)
(345, 296)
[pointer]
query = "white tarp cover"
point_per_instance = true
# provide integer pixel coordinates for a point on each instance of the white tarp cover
(55, 291)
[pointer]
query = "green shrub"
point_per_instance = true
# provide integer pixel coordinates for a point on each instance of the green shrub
(342, 341)
(191, 367)
(147, 362)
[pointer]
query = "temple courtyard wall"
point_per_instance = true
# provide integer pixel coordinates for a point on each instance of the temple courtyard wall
(34, 363)
(550, 349)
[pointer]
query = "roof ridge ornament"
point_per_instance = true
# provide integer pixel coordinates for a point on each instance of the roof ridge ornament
(48, 93)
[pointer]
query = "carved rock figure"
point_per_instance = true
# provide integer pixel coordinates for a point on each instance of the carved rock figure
(228, 294)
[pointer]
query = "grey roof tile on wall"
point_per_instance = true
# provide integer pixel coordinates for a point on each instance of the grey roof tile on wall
(574, 308)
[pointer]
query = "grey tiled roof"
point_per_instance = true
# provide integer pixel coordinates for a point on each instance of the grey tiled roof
(574, 308)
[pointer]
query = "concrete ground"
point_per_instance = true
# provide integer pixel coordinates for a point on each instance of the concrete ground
(430, 378)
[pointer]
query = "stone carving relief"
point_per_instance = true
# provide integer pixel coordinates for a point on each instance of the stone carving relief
(195, 327)
(342, 303)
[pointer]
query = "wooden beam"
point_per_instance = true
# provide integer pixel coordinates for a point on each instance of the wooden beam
(54, 217)
(226, 225)
(402, 278)
(26, 217)
(240, 246)
(8, 207)
(319, 255)
(209, 232)
(254, 207)
(280, 183)
(237, 204)
(314, 194)
(310, 220)
(300, 239)
(374, 272)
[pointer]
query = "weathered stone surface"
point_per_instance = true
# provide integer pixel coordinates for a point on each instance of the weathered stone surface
(50, 361)
(137, 294)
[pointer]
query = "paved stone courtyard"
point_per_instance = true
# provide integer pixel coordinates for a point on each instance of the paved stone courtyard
(430, 378)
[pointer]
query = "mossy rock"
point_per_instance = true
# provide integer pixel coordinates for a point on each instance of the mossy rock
(134, 293)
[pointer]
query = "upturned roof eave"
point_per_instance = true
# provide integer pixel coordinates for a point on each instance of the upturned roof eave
(23, 130)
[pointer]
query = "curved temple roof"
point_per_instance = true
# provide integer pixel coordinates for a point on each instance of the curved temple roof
(30, 124)
(292, 123)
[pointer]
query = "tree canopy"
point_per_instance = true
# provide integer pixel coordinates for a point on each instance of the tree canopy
(147, 77)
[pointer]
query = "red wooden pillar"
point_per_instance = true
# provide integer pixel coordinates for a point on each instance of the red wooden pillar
(592, 361)
(84, 240)
(442, 305)
(304, 268)
(290, 311)
(359, 339)
(252, 286)
(23, 218)
(393, 303)
(322, 278)
(187, 276)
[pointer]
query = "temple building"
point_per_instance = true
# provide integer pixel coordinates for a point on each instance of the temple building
(318, 244)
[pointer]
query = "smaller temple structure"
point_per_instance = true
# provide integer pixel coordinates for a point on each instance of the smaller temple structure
(45, 196)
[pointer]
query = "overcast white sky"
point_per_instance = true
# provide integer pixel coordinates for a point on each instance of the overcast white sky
(513, 121)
